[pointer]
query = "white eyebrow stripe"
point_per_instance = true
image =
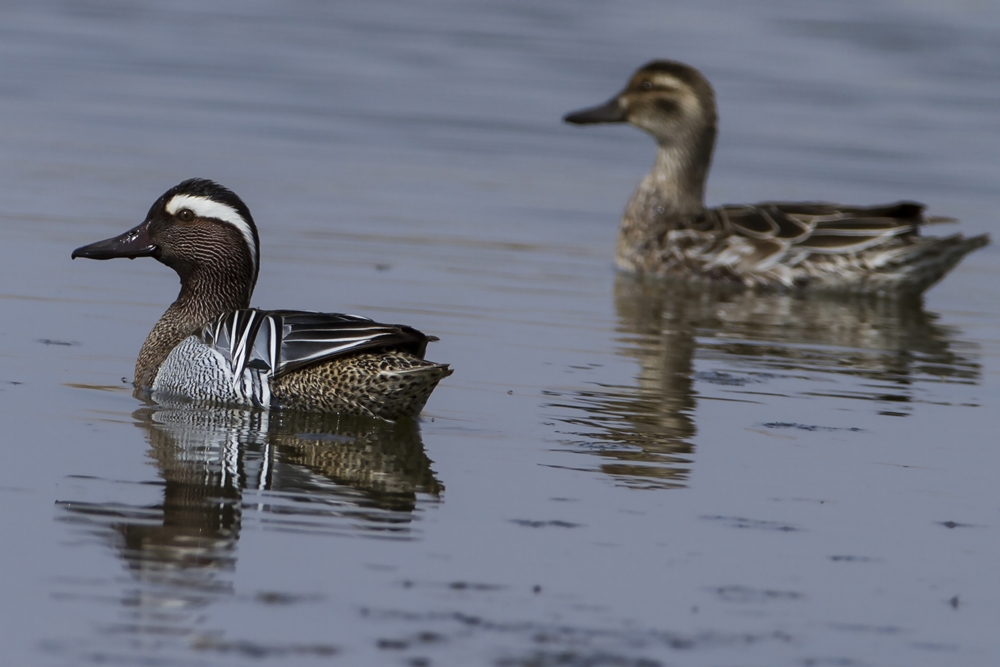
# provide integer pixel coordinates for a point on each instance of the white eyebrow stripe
(203, 207)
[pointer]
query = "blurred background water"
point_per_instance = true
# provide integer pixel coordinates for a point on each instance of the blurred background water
(619, 472)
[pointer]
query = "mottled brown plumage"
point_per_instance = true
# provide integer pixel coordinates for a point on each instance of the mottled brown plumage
(383, 384)
(666, 230)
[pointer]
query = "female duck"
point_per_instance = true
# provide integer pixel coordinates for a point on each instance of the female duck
(211, 346)
(666, 229)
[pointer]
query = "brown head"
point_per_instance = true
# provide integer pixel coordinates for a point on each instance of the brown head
(674, 103)
(671, 101)
(201, 230)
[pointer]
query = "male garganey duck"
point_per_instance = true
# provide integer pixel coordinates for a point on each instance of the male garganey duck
(667, 231)
(210, 346)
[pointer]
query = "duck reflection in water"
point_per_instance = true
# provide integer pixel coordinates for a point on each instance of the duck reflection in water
(876, 349)
(288, 471)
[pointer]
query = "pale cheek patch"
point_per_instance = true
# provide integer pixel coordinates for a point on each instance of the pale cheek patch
(207, 208)
(689, 102)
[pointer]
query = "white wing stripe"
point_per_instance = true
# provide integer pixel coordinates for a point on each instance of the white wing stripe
(242, 354)
(275, 344)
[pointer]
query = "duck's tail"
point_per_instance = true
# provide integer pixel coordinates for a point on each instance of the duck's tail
(928, 260)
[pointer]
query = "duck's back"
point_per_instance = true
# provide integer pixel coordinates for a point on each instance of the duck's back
(303, 360)
(813, 245)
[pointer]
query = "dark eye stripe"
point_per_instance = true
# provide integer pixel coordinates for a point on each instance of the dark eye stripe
(667, 106)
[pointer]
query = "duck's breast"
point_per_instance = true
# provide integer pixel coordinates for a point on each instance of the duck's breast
(201, 372)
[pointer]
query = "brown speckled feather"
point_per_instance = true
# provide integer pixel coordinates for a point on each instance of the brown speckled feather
(389, 385)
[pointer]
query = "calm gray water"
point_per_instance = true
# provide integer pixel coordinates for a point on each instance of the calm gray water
(619, 473)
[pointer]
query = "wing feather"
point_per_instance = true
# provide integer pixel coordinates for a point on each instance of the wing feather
(812, 227)
(281, 341)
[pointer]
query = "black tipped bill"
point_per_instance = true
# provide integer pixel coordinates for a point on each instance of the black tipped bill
(136, 242)
(609, 112)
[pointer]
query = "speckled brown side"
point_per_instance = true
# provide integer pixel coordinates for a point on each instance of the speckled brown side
(389, 385)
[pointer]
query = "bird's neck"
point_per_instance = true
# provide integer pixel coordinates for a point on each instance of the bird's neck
(671, 195)
(205, 294)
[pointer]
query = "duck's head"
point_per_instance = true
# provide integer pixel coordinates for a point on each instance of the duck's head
(197, 227)
(670, 100)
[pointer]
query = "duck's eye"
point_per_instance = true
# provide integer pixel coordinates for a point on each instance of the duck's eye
(647, 85)
(185, 215)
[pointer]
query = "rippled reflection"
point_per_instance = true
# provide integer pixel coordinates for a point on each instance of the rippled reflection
(883, 350)
(225, 471)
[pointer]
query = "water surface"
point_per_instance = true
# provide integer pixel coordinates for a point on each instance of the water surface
(620, 472)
